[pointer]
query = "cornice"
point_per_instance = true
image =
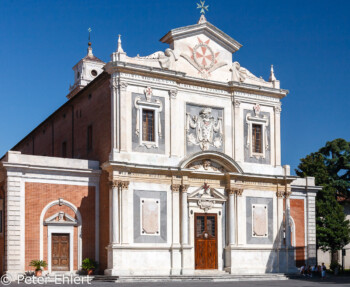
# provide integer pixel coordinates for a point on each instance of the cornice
(181, 78)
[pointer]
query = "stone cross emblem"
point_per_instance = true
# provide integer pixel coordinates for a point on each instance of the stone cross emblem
(202, 7)
(203, 58)
(208, 131)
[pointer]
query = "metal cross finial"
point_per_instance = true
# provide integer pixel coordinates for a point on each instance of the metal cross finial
(202, 7)
(89, 30)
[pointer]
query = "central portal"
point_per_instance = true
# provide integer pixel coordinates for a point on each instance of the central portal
(206, 249)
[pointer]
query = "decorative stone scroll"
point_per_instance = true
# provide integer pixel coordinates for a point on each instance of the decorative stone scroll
(208, 131)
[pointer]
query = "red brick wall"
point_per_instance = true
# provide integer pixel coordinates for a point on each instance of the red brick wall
(69, 124)
(297, 213)
(37, 196)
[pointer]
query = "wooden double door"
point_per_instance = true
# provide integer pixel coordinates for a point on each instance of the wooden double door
(206, 247)
(60, 252)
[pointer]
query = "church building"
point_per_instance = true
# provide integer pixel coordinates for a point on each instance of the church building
(165, 164)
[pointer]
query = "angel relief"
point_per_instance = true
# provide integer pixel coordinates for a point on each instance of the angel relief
(208, 131)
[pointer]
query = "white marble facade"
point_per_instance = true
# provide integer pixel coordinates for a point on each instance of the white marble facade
(200, 161)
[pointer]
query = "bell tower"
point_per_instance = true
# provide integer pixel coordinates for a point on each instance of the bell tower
(85, 71)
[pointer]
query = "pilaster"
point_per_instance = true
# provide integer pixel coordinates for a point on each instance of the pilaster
(14, 225)
(277, 110)
(175, 247)
(238, 153)
(174, 126)
(124, 120)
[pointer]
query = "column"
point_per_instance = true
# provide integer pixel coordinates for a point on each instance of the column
(288, 235)
(279, 195)
(175, 188)
(175, 247)
(123, 189)
(184, 215)
(240, 218)
(115, 211)
(231, 216)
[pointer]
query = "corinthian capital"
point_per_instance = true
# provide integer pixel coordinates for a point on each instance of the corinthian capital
(184, 187)
(124, 184)
(115, 183)
(123, 86)
(173, 94)
(277, 109)
(175, 187)
(287, 194)
(279, 193)
(236, 103)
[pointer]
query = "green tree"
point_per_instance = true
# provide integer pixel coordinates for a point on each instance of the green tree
(330, 166)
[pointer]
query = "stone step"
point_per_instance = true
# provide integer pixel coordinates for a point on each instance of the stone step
(208, 277)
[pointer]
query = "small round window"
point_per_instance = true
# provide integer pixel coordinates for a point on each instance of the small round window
(94, 73)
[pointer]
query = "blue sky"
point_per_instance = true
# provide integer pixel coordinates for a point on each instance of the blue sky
(307, 41)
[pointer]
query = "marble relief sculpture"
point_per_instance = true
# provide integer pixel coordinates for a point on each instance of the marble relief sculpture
(208, 131)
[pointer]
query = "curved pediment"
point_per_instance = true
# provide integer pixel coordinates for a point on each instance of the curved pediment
(211, 161)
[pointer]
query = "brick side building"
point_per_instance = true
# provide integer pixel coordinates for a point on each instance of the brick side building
(163, 164)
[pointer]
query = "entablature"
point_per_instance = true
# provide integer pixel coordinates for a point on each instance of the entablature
(181, 80)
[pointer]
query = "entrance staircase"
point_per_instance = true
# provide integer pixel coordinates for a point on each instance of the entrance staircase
(221, 277)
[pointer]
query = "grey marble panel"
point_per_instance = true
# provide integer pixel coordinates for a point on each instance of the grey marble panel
(247, 157)
(259, 200)
(135, 138)
(162, 196)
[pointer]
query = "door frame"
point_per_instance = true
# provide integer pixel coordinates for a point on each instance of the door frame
(216, 238)
(60, 230)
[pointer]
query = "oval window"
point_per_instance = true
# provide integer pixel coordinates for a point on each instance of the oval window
(94, 73)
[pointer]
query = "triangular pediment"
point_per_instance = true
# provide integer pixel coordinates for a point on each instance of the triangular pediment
(60, 218)
(206, 29)
(206, 197)
(205, 192)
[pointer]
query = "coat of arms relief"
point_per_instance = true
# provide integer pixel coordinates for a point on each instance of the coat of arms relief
(207, 130)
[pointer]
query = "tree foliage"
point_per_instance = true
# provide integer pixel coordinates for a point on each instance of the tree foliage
(330, 166)
(332, 228)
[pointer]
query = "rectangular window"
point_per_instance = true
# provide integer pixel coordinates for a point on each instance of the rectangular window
(64, 149)
(148, 126)
(89, 138)
(257, 138)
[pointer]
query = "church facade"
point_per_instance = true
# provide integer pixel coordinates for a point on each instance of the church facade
(159, 165)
